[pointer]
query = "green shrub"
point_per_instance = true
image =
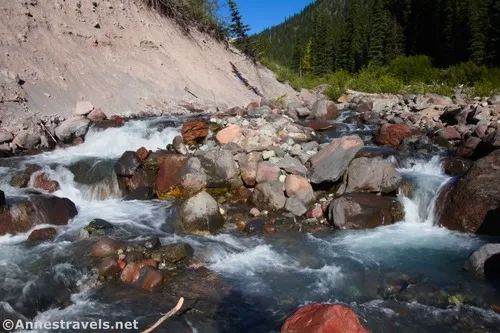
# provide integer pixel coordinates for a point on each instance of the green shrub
(338, 83)
(376, 81)
(466, 73)
(413, 69)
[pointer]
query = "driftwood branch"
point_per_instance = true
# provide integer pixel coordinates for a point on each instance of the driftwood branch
(166, 316)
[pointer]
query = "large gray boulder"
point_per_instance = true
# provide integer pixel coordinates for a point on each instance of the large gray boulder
(372, 175)
(494, 100)
(221, 169)
(324, 110)
(72, 128)
(330, 163)
(486, 255)
(200, 214)
(364, 211)
(268, 195)
(26, 139)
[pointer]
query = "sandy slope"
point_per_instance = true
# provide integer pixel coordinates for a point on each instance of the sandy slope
(120, 56)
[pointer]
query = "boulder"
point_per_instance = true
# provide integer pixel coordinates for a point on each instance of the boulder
(372, 175)
(392, 134)
(268, 195)
(323, 318)
(457, 166)
(109, 267)
(292, 165)
(330, 163)
(127, 165)
(97, 115)
(173, 256)
(72, 128)
(142, 153)
(40, 235)
(192, 177)
(295, 206)
(107, 247)
(364, 211)
(83, 108)
(201, 214)
(21, 179)
(221, 169)
(42, 181)
(99, 227)
(474, 204)
(149, 279)
(324, 110)
(168, 179)
(494, 100)
(5, 137)
(179, 146)
(308, 97)
(229, 134)
(194, 132)
(477, 260)
(298, 186)
(132, 271)
(26, 139)
(248, 164)
(267, 172)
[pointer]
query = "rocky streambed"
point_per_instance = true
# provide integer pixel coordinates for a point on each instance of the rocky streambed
(252, 213)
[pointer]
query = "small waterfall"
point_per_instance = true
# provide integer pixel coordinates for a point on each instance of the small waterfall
(104, 190)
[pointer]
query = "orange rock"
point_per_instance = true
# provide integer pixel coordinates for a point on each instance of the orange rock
(495, 308)
(131, 272)
(142, 153)
(150, 279)
(392, 134)
(194, 132)
(42, 234)
(229, 134)
(43, 181)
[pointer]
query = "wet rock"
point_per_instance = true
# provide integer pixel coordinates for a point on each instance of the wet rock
(142, 153)
(372, 175)
(474, 204)
(268, 195)
(194, 132)
(229, 134)
(132, 271)
(267, 172)
(38, 209)
(173, 256)
(389, 134)
(26, 139)
(179, 145)
(109, 267)
(255, 226)
(248, 164)
(364, 211)
(298, 186)
(292, 165)
(201, 214)
(42, 181)
(97, 115)
(72, 128)
(424, 294)
(83, 108)
(149, 279)
(127, 164)
(323, 318)
(324, 110)
(99, 227)
(330, 163)
(169, 175)
(457, 166)
(21, 179)
(295, 206)
(107, 247)
(202, 289)
(40, 235)
(221, 169)
(477, 260)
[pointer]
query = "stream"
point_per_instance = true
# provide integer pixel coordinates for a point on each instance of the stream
(270, 275)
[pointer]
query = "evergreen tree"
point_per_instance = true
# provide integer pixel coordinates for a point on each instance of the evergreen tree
(319, 47)
(478, 18)
(298, 51)
(239, 30)
(493, 51)
(306, 59)
(378, 33)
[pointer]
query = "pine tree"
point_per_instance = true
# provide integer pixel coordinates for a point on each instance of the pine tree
(306, 59)
(493, 51)
(240, 30)
(478, 18)
(298, 51)
(319, 47)
(378, 33)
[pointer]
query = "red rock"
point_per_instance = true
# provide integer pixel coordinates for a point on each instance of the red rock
(42, 234)
(315, 213)
(78, 141)
(236, 111)
(449, 133)
(323, 318)
(267, 172)
(122, 263)
(169, 174)
(149, 279)
(253, 105)
(106, 247)
(229, 134)
(142, 153)
(43, 182)
(495, 308)
(468, 147)
(117, 119)
(392, 134)
(194, 132)
(132, 271)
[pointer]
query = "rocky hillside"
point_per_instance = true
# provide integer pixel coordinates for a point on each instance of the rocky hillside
(119, 55)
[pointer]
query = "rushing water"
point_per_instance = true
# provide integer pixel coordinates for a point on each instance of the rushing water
(270, 275)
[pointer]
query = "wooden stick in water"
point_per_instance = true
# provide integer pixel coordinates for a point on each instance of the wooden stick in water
(166, 316)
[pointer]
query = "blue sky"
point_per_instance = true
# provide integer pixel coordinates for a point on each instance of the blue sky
(261, 14)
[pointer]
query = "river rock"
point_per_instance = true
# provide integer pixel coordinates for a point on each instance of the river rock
(99, 227)
(324, 110)
(5, 137)
(107, 247)
(40, 235)
(292, 165)
(229, 134)
(267, 172)
(392, 134)
(477, 260)
(221, 169)
(194, 132)
(457, 166)
(168, 179)
(299, 187)
(364, 211)
(372, 175)
(109, 267)
(42, 181)
(179, 145)
(330, 163)
(174, 256)
(21, 179)
(248, 164)
(72, 128)
(323, 318)
(295, 206)
(494, 100)
(26, 139)
(127, 164)
(192, 177)
(268, 195)
(132, 270)
(201, 214)
(149, 279)
(97, 115)
(259, 111)
(449, 133)
(474, 203)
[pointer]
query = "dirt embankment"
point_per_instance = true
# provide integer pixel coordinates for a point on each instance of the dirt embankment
(119, 55)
